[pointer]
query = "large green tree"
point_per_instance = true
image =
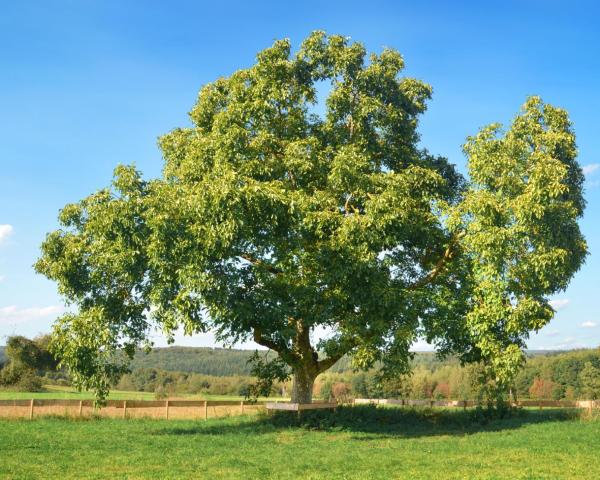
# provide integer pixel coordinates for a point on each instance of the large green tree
(26, 359)
(299, 211)
(589, 380)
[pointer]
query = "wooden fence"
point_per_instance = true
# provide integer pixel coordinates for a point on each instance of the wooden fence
(198, 409)
(589, 404)
(204, 409)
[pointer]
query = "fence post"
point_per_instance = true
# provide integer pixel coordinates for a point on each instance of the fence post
(31, 410)
(167, 409)
(205, 409)
(242, 405)
(124, 408)
(80, 407)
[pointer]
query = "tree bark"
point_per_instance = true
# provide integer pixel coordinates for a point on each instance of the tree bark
(302, 386)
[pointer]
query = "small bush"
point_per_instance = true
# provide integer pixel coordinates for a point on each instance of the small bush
(20, 379)
(161, 393)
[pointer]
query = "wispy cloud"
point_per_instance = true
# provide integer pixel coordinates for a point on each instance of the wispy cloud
(5, 231)
(559, 303)
(590, 168)
(12, 314)
(589, 324)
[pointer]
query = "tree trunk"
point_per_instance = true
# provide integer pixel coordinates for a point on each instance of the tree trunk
(302, 387)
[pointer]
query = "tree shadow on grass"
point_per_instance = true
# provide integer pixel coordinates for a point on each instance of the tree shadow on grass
(382, 422)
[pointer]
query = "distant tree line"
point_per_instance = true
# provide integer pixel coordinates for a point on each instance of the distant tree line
(167, 384)
(549, 375)
(553, 376)
(567, 375)
(26, 365)
(205, 360)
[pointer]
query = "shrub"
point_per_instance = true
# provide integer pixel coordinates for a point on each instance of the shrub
(161, 393)
(244, 390)
(589, 378)
(29, 382)
(359, 385)
(341, 392)
(542, 389)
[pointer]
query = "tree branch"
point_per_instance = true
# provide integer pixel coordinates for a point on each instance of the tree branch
(440, 265)
(264, 341)
(347, 204)
(284, 352)
(259, 263)
(329, 362)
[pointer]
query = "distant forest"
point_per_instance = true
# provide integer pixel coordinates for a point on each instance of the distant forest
(218, 362)
(195, 370)
(547, 375)
(224, 362)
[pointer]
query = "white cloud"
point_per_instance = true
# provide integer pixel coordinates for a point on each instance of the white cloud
(12, 314)
(2, 277)
(589, 324)
(5, 231)
(559, 303)
(590, 168)
(553, 333)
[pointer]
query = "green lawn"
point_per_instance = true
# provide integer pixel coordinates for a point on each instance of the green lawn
(359, 443)
(57, 392)
(51, 391)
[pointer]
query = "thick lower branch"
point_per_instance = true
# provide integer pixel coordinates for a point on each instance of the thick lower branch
(264, 341)
(284, 352)
(440, 265)
(329, 362)
(260, 263)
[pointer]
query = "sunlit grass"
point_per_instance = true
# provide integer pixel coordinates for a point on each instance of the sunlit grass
(359, 443)
(59, 392)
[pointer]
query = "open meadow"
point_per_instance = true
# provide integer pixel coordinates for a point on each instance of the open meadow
(70, 393)
(353, 443)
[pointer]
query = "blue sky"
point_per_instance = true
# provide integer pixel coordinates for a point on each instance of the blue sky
(87, 85)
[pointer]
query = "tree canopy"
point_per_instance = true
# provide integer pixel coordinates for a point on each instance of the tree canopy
(319, 227)
(25, 360)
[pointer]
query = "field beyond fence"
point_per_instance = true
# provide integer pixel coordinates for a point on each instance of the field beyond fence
(204, 409)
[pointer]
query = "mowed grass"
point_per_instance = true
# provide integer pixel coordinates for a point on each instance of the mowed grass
(65, 393)
(353, 443)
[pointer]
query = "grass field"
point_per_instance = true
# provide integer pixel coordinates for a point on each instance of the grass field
(354, 443)
(58, 392)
